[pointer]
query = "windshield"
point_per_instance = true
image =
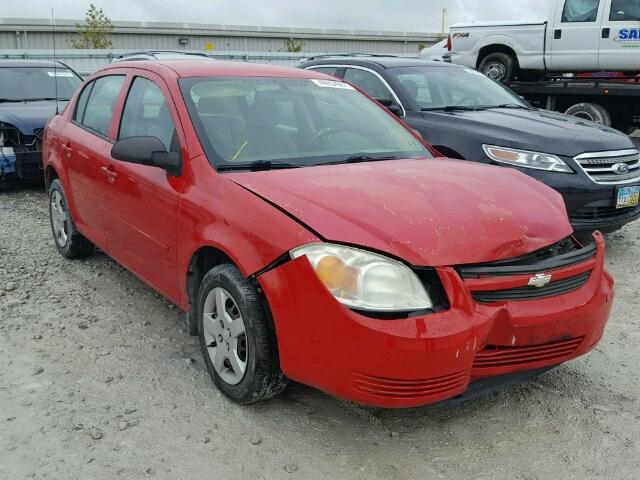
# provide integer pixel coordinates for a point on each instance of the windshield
(434, 88)
(29, 83)
(292, 122)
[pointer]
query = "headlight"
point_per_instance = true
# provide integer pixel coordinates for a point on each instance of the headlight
(366, 281)
(523, 158)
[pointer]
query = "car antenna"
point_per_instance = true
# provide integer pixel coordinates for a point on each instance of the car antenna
(55, 63)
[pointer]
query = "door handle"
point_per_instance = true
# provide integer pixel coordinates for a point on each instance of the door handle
(606, 32)
(557, 34)
(109, 173)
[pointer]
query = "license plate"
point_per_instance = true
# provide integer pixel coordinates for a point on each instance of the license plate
(628, 197)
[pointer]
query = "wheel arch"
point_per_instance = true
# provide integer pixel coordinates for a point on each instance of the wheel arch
(448, 152)
(50, 174)
(496, 48)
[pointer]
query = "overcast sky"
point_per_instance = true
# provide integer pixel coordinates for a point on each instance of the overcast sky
(398, 15)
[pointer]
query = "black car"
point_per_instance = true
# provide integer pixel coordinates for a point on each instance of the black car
(465, 115)
(28, 93)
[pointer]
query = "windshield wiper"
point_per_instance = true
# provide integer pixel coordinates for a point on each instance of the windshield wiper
(451, 108)
(256, 166)
(26, 100)
(507, 105)
(360, 159)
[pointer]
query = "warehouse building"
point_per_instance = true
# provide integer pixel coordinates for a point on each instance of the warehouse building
(36, 34)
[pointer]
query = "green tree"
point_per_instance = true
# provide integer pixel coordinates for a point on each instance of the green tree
(293, 46)
(94, 32)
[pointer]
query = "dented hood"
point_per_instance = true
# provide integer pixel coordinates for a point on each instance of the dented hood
(430, 212)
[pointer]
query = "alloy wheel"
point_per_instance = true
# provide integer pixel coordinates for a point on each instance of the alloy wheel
(59, 218)
(225, 335)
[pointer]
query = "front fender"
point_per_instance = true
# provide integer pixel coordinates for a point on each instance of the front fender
(223, 215)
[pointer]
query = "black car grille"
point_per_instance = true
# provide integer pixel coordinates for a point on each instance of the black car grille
(562, 254)
(532, 293)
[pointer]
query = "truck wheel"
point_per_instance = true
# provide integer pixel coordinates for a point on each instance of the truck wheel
(69, 241)
(498, 66)
(591, 111)
(237, 339)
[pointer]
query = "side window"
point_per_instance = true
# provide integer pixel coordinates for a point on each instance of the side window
(81, 105)
(417, 88)
(146, 114)
(328, 70)
(98, 109)
(625, 11)
(580, 11)
(368, 82)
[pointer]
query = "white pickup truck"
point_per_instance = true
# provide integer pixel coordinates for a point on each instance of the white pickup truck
(578, 35)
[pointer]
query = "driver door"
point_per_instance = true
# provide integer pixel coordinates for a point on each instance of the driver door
(143, 199)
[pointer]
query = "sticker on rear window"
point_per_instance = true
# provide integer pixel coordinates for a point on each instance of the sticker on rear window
(332, 84)
(63, 73)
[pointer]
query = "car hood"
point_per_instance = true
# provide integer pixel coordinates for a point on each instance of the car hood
(537, 130)
(430, 212)
(28, 116)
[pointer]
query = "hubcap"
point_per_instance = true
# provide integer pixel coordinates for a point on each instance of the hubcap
(225, 336)
(59, 218)
(495, 71)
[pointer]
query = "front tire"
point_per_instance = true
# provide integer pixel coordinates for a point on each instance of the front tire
(236, 337)
(69, 241)
(498, 66)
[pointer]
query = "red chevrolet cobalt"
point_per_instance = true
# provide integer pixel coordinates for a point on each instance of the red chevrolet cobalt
(310, 235)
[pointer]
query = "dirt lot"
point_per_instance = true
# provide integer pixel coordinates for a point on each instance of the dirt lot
(98, 379)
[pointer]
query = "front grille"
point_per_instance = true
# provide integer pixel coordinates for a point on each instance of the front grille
(562, 254)
(496, 356)
(552, 289)
(611, 167)
(603, 213)
(415, 389)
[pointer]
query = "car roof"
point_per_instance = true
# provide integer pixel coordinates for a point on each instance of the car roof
(375, 60)
(159, 55)
(198, 68)
(17, 63)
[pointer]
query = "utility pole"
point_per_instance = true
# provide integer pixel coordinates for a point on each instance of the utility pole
(444, 20)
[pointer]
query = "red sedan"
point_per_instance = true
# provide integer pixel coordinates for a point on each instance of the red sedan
(310, 235)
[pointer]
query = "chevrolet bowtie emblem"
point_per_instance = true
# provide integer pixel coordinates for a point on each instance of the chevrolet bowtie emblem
(539, 280)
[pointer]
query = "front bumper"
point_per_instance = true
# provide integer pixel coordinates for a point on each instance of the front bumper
(22, 163)
(590, 206)
(427, 359)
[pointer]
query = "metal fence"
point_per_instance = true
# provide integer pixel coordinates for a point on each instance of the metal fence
(86, 62)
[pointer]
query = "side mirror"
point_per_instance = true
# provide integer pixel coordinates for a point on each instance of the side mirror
(390, 105)
(147, 151)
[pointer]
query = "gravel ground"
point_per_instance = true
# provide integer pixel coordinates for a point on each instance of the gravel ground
(99, 380)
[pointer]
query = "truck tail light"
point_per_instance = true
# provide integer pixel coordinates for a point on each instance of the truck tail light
(449, 44)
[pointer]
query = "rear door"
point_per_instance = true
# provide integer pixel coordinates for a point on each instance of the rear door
(574, 37)
(144, 200)
(620, 36)
(85, 147)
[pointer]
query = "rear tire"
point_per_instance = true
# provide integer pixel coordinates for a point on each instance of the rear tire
(236, 337)
(498, 66)
(592, 112)
(69, 241)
